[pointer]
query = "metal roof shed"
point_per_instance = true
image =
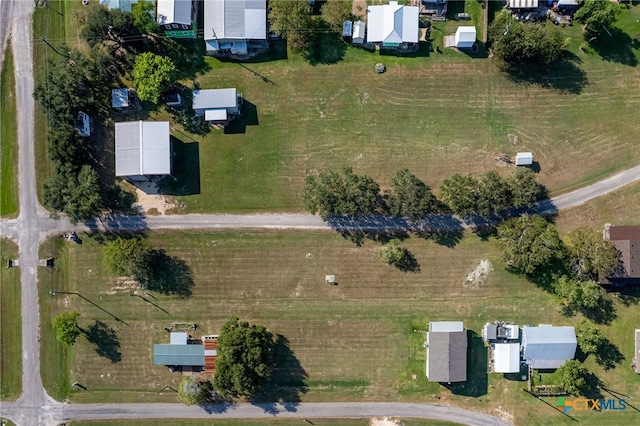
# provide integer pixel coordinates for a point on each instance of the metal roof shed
(120, 98)
(548, 347)
(143, 148)
(524, 158)
(189, 355)
(506, 357)
(174, 12)
(358, 32)
(215, 99)
(465, 37)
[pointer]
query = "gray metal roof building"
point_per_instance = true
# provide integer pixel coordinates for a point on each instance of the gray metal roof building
(548, 347)
(143, 149)
(216, 104)
(230, 24)
(446, 352)
(189, 355)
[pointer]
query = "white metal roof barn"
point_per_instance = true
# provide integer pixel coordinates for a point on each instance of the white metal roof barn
(143, 148)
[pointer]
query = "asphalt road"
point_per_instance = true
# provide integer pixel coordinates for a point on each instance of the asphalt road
(35, 407)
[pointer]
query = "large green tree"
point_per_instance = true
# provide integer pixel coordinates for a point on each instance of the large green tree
(590, 338)
(409, 196)
(493, 194)
(515, 43)
(578, 296)
(392, 252)
(192, 391)
(105, 25)
(524, 188)
(331, 193)
(528, 243)
(573, 377)
(460, 193)
(152, 74)
(590, 255)
(144, 19)
(597, 16)
(291, 20)
(122, 255)
(335, 12)
(66, 326)
(243, 362)
(77, 195)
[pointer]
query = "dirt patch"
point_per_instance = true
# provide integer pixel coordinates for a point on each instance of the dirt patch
(124, 285)
(360, 9)
(384, 421)
(477, 277)
(502, 160)
(151, 202)
(513, 139)
(504, 415)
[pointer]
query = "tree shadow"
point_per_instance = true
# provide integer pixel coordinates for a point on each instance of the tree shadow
(477, 383)
(565, 76)
(603, 313)
(608, 355)
(594, 386)
(326, 47)
(287, 381)
(376, 227)
(116, 223)
(169, 275)
(248, 117)
(105, 339)
(187, 55)
(185, 168)
(619, 47)
(445, 230)
(408, 263)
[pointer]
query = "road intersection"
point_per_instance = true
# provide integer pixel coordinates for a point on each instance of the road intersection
(33, 224)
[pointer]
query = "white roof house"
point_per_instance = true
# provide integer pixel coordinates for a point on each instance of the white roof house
(358, 32)
(216, 104)
(548, 347)
(523, 4)
(392, 24)
(174, 12)
(465, 37)
(506, 357)
(142, 149)
(229, 24)
(524, 159)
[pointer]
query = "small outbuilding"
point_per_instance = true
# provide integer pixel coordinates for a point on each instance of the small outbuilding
(522, 4)
(216, 105)
(465, 37)
(547, 347)
(506, 357)
(524, 158)
(359, 28)
(82, 124)
(143, 150)
(122, 100)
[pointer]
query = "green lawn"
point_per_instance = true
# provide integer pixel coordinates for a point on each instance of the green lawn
(261, 422)
(10, 331)
(354, 341)
(8, 138)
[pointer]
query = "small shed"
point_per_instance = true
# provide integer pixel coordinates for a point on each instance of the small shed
(506, 357)
(524, 158)
(547, 347)
(216, 105)
(82, 124)
(465, 37)
(347, 29)
(121, 99)
(359, 28)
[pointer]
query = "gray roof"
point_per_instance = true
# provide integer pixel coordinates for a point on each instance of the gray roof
(143, 148)
(215, 98)
(192, 355)
(447, 356)
(235, 19)
(548, 347)
(120, 98)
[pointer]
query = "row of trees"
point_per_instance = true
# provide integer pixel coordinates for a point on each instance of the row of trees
(243, 365)
(332, 193)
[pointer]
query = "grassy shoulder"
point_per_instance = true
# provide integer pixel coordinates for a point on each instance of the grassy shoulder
(277, 279)
(10, 331)
(265, 422)
(8, 138)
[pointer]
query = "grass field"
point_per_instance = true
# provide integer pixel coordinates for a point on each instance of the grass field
(8, 138)
(10, 330)
(353, 341)
(255, 422)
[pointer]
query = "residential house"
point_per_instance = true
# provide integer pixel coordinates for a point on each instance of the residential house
(393, 26)
(185, 354)
(123, 5)
(547, 347)
(143, 150)
(235, 27)
(446, 352)
(626, 239)
(218, 106)
(178, 18)
(465, 37)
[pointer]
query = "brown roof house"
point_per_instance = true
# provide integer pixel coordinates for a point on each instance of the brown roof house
(446, 352)
(627, 241)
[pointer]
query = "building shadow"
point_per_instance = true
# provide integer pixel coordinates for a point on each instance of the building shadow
(326, 47)
(105, 340)
(287, 382)
(248, 117)
(477, 383)
(185, 169)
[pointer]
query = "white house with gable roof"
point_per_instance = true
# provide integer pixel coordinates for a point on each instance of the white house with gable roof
(392, 25)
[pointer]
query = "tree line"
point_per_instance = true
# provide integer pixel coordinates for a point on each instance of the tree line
(347, 193)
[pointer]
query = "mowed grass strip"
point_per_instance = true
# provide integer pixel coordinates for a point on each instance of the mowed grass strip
(8, 138)
(437, 115)
(10, 325)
